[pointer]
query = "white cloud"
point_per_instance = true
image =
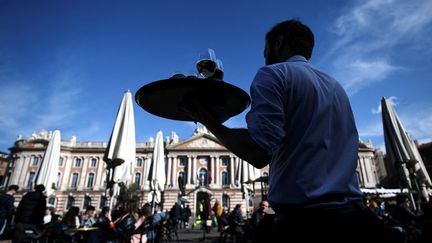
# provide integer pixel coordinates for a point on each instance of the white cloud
(25, 108)
(415, 118)
(369, 35)
(417, 121)
(16, 100)
(394, 101)
(374, 129)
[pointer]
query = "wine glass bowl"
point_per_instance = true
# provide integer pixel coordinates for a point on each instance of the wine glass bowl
(206, 64)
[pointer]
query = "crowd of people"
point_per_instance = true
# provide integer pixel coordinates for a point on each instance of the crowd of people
(33, 220)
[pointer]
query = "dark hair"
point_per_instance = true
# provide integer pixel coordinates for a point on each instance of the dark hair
(13, 187)
(401, 198)
(39, 188)
(297, 36)
(105, 210)
(90, 207)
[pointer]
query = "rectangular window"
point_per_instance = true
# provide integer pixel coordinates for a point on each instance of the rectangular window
(35, 160)
(183, 161)
(93, 162)
(138, 162)
(225, 160)
(74, 180)
(77, 162)
(90, 180)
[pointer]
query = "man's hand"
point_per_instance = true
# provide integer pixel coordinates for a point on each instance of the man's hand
(238, 141)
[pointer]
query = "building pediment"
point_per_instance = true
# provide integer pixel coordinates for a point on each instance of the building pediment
(199, 142)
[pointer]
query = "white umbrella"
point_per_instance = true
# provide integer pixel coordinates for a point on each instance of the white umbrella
(402, 151)
(48, 171)
(245, 175)
(157, 177)
(120, 152)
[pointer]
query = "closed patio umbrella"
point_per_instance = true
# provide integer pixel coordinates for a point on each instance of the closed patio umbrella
(157, 176)
(245, 175)
(48, 171)
(402, 151)
(121, 150)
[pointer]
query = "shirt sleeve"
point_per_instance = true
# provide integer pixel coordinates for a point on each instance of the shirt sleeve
(266, 118)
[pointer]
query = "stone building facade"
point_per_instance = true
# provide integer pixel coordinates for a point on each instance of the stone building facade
(205, 166)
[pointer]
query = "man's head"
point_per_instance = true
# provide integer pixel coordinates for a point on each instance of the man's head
(12, 189)
(40, 188)
(90, 210)
(287, 39)
(263, 206)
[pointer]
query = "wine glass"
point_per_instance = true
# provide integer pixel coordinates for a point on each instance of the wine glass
(206, 64)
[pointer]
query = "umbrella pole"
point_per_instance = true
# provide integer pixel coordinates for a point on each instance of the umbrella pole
(111, 188)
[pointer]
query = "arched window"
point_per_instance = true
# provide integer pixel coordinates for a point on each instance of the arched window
(203, 179)
(87, 202)
(58, 180)
(74, 181)
(90, 180)
(225, 201)
(103, 201)
(182, 178)
(224, 178)
(30, 179)
(70, 202)
(137, 178)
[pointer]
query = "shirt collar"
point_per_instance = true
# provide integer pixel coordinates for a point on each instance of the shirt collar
(297, 58)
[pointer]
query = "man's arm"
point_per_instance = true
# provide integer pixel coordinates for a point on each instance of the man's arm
(238, 141)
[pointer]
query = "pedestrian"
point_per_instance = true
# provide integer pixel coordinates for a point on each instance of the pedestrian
(301, 124)
(88, 219)
(30, 211)
(7, 211)
(258, 214)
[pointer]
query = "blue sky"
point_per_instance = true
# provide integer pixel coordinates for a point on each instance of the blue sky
(66, 64)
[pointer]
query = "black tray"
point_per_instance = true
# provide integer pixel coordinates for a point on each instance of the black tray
(166, 98)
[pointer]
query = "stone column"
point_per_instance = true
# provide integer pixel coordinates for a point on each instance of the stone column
(217, 172)
(83, 178)
(194, 171)
(169, 176)
(67, 173)
(189, 170)
(212, 170)
(100, 175)
(18, 168)
(232, 171)
(147, 166)
(25, 171)
(174, 171)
